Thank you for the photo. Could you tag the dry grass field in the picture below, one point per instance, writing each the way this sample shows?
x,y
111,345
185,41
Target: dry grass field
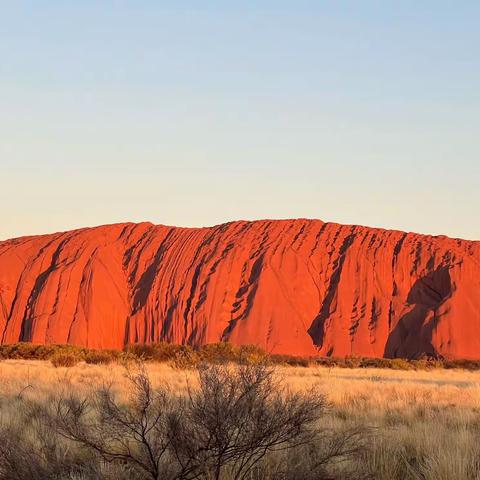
x,y
417,424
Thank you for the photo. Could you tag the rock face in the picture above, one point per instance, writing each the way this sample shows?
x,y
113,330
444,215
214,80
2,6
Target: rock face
x,y
296,286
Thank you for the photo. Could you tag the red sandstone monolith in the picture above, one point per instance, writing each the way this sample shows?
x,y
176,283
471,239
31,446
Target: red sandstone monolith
x,y
301,287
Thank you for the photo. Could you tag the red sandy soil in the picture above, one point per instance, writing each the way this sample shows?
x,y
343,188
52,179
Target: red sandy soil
x,y
301,287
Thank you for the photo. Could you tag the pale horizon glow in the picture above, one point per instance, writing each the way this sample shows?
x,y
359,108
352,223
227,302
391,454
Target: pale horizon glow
x,y
181,114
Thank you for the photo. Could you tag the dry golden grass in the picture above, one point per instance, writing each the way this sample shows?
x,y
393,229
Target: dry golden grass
x,y
425,424
368,389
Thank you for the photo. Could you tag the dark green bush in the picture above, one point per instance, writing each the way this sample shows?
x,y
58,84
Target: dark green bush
x,y
291,360
96,357
184,356
159,352
185,359
32,351
224,352
217,352
65,359
463,364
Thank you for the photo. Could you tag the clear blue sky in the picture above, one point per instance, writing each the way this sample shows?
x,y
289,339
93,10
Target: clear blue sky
x,y
196,113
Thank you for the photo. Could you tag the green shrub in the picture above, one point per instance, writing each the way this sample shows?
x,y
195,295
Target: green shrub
x,y
224,352
185,359
184,356
217,352
31,351
353,362
291,360
26,351
64,359
96,357
159,352
462,364
250,353
400,364
328,362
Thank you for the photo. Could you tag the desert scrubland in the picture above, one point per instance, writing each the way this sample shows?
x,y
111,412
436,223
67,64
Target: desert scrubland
x,y
386,424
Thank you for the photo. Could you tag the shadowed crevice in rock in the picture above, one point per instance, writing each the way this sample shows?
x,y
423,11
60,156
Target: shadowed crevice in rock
x,y
245,297
412,336
317,329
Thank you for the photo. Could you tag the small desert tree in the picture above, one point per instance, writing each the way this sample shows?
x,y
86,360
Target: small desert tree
x,y
235,417
225,428
134,434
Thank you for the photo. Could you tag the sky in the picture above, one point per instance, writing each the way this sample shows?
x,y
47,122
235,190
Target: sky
x,y
197,113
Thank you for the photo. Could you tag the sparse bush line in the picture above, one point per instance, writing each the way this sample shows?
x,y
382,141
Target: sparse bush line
x,y
183,356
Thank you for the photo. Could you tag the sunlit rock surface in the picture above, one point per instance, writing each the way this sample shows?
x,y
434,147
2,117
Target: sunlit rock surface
x,y
291,286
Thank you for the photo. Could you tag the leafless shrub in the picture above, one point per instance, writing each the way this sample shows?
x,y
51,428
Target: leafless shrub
x,y
240,422
236,417
134,435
